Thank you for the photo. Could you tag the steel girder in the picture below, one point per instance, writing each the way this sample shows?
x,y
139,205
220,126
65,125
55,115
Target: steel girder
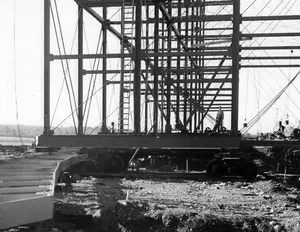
x,y
182,141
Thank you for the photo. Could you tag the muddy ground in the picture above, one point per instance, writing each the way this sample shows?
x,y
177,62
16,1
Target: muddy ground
x,y
114,204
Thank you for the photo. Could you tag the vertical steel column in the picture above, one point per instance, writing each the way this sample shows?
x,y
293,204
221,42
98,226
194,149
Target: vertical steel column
x,y
147,68
104,66
186,63
46,67
155,73
168,119
201,85
198,75
178,67
162,77
137,68
121,103
235,66
193,75
80,68
190,75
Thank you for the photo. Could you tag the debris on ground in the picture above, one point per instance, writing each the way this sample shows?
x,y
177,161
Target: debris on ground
x,y
123,205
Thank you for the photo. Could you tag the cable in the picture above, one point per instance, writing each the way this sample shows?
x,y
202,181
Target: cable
x,y
268,106
246,105
64,50
95,66
271,30
274,92
108,117
15,74
59,96
58,44
268,54
93,87
86,100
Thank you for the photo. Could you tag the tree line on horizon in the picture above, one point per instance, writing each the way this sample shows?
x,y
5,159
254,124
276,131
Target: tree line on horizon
x,y
31,131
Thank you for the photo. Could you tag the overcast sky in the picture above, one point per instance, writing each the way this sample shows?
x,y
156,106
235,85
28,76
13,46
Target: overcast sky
x,y
28,68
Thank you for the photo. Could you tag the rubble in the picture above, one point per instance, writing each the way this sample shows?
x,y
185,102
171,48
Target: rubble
x,y
119,205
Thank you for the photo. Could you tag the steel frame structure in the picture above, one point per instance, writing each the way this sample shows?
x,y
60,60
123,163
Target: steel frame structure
x,y
184,68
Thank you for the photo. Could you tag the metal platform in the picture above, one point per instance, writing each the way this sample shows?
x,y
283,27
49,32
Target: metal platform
x,y
180,141
27,186
271,143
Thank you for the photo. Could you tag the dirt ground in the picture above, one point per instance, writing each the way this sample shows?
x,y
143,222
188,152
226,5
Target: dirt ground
x,y
153,204
125,205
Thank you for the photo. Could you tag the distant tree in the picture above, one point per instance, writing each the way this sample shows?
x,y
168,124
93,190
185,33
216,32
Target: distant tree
x,y
31,131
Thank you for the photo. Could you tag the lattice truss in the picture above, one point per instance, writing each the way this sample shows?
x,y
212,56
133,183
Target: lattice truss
x,y
190,55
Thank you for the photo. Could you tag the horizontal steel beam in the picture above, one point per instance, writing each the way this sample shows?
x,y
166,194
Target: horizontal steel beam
x,y
206,95
271,143
144,55
205,104
271,58
198,81
203,101
89,56
200,89
203,18
101,3
144,141
271,48
280,34
215,108
194,18
205,72
271,17
205,48
204,37
174,70
272,66
172,54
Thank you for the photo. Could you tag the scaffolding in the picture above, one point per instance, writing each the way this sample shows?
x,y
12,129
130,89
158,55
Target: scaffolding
x,y
180,62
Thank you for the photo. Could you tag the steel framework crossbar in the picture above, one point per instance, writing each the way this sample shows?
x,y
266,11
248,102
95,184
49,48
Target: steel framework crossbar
x,y
184,66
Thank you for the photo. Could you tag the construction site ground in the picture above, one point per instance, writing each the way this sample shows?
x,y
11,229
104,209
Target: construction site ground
x,y
122,204
114,203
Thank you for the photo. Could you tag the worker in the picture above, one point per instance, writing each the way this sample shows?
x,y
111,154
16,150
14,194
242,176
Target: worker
x,y
181,127
219,121
112,127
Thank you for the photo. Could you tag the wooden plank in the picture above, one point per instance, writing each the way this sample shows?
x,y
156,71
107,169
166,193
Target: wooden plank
x,y
4,170
19,178
38,155
25,183
51,157
37,161
57,157
14,197
27,156
43,173
25,166
21,212
26,189
68,150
